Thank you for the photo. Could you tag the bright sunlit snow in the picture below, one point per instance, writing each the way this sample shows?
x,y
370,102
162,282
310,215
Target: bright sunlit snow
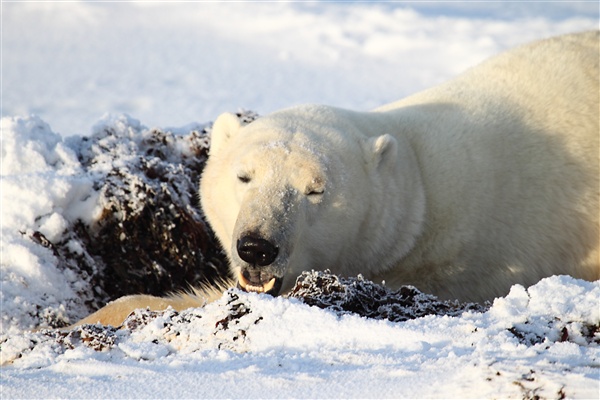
x,y
180,65
172,64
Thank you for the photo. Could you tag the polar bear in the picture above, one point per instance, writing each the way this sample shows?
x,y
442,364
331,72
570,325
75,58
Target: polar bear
x,y
462,190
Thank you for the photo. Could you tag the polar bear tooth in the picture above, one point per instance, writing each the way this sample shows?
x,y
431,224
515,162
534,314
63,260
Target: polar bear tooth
x,y
253,288
269,285
245,284
249,287
260,289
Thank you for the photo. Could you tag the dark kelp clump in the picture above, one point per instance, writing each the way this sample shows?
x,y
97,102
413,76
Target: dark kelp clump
x,y
363,297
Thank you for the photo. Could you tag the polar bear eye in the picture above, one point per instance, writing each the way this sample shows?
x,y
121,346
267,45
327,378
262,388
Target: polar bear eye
x,y
244,178
315,188
314,191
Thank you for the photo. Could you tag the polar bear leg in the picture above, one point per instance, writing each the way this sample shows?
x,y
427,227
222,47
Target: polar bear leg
x,y
115,312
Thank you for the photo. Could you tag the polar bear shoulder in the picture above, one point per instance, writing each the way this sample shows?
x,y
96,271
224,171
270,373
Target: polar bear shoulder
x,y
509,157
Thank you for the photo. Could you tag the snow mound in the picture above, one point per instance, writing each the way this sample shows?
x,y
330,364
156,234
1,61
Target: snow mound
x,y
43,191
242,322
530,339
227,323
89,219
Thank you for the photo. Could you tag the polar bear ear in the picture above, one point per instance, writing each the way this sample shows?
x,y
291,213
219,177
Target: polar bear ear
x,y
226,126
381,149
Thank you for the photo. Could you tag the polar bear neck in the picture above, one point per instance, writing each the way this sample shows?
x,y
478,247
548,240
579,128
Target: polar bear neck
x,y
396,218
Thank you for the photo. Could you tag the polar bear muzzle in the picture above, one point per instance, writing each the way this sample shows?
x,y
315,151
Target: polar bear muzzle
x,y
258,253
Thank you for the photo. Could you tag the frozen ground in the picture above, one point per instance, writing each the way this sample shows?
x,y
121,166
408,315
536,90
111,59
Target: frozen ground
x,y
180,65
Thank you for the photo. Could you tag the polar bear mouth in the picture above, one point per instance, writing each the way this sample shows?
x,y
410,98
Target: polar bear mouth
x,y
271,286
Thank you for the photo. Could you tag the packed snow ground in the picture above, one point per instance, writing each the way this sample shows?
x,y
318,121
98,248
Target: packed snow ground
x,y
181,65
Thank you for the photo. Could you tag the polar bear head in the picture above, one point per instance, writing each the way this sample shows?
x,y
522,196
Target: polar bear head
x,y
300,189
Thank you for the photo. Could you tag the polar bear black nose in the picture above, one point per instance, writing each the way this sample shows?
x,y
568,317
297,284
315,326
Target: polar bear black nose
x,y
256,251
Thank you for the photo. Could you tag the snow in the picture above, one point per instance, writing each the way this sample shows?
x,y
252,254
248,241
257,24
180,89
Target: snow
x,y
177,66
249,345
171,64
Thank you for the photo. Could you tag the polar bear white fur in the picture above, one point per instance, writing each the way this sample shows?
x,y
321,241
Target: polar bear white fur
x,y
462,190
